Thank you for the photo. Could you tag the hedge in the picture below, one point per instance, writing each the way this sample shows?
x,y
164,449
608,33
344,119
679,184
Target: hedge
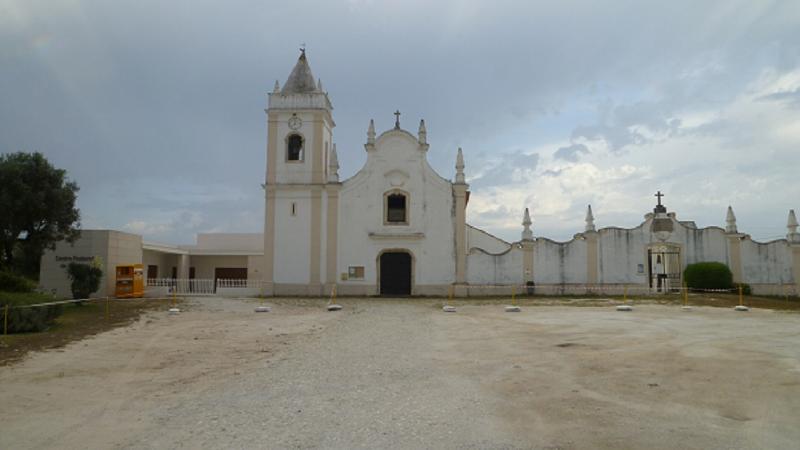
x,y
708,275
24,320
10,282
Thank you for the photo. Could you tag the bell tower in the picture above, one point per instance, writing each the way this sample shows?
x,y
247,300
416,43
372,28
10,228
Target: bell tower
x,y
299,153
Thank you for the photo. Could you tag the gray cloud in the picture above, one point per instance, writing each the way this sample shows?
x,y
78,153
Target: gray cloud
x,y
130,95
791,98
506,169
571,152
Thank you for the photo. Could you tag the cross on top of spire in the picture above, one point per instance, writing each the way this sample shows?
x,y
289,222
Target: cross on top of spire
x,y
397,120
303,48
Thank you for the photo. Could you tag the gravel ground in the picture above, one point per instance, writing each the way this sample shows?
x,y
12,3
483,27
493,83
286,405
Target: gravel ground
x,y
402,374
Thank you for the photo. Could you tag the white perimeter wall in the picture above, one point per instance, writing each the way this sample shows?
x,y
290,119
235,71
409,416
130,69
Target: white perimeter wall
x,y
766,263
486,268
559,263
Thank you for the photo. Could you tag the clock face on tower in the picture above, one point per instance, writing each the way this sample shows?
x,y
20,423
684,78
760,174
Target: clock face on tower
x,y
295,122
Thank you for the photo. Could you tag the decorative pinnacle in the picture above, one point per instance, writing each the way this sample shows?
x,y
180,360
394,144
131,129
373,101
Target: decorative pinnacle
x,y
333,166
371,132
730,219
791,224
527,234
423,133
319,84
277,87
589,219
460,167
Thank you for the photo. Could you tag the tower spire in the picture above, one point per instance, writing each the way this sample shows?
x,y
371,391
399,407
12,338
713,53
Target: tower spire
x,y
423,132
730,220
589,219
527,234
301,80
460,167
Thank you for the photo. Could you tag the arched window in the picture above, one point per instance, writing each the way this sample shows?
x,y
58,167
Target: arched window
x,y
396,209
294,148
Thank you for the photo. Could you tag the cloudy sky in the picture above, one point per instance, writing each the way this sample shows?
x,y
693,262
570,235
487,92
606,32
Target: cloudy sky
x,y
156,108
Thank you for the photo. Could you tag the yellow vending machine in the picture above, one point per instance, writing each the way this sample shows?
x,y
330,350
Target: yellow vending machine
x,y
130,281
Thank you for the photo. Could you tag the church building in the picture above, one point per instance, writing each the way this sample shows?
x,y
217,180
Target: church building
x,y
398,228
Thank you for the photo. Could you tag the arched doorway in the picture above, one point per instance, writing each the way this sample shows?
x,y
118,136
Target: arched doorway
x,y
395,270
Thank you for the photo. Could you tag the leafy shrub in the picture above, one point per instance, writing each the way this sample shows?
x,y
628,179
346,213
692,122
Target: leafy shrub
x,y
23,320
10,282
85,279
708,275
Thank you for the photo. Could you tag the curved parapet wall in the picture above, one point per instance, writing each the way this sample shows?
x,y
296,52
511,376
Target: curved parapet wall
x,y
493,269
559,262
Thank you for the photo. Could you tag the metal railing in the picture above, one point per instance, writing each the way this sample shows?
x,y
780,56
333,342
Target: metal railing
x,y
202,286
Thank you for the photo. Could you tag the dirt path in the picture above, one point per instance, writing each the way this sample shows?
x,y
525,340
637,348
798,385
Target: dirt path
x,y
384,374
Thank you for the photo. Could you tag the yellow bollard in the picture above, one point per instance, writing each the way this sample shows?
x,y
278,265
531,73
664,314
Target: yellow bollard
x,y
514,295
450,295
685,295
5,320
741,299
625,294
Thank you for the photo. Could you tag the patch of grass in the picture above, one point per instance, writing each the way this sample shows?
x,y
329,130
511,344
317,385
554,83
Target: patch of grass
x,y
76,323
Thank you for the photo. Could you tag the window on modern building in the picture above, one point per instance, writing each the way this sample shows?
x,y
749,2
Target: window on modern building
x,y
294,148
396,208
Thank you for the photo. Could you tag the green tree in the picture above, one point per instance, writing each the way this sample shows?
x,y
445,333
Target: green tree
x,y
85,279
38,209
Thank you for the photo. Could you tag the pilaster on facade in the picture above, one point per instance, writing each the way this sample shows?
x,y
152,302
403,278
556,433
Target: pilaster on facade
x,y
795,249
332,235
735,255
460,197
592,257
528,247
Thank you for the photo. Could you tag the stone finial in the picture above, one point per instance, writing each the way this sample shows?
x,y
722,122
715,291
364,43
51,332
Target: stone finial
x,y
527,234
730,220
319,84
333,166
371,133
791,225
460,167
277,87
589,219
423,133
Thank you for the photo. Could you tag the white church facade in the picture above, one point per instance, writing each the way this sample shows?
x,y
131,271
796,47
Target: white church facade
x,y
398,228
